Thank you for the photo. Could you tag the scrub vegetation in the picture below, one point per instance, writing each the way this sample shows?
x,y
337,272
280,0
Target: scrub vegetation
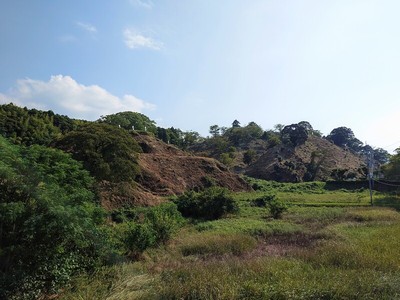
x,y
319,249
71,227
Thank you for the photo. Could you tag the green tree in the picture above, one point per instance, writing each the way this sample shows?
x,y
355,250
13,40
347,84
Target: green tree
x,y
294,135
235,124
108,152
210,204
344,137
215,130
32,126
48,221
392,169
249,156
130,120
278,128
381,156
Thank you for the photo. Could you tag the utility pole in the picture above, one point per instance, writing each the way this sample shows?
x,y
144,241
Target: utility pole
x,y
370,174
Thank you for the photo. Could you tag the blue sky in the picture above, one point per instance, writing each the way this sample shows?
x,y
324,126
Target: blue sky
x,y
191,64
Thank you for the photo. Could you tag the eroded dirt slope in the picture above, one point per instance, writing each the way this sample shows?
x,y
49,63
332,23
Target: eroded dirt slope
x,y
166,170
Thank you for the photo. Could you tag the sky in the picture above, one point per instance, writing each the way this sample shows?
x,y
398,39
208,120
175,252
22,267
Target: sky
x,y
195,63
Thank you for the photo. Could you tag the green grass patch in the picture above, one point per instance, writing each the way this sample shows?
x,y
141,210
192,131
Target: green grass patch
x,y
268,278
251,226
373,214
217,244
322,215
328,245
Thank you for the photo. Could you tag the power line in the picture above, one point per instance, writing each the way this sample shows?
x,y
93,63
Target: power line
x,y
395,143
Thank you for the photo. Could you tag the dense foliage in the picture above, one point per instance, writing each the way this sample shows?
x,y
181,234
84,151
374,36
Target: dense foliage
x,y
144,227
210,204
47,220
107,151
294,135
275,206
392,169
131,121
31,126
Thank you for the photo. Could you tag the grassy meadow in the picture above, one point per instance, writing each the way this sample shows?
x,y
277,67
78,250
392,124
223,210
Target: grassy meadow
x,y
327,245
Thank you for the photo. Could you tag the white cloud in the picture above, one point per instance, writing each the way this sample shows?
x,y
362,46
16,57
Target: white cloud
x,y
87,27
64,95
148,4
134,39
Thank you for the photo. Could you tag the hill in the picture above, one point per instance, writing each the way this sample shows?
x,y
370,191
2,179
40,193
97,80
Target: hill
x,y
316,159
294,154
165,170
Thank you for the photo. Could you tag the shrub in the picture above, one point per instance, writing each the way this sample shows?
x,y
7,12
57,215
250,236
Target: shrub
x,y
210,204
275,206
48,221
146,227
107,152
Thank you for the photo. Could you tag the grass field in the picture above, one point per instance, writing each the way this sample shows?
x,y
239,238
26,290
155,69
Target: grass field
x,y
327,245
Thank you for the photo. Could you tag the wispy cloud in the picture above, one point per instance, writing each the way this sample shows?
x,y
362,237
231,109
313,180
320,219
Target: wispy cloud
x,y
134,39
148,4
66,96
87,27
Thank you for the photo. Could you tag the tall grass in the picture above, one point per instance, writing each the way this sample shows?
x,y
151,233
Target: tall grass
x,y
267,278
329,245
207,244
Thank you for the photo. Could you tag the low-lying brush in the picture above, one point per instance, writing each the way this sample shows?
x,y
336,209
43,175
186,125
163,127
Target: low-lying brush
x,y
267,278
210,204
327,245
217,244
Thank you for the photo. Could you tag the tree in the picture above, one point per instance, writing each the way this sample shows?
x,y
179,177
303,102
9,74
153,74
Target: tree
x,y
381,156
130,120
341,136
253,131
307,126
344,138
32,126
294,135
235,124
215,130
392,169
273,138
108,152
249,156
190,138
278,128
48,221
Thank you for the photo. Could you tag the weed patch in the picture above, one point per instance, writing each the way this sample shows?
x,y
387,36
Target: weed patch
x,y
213,244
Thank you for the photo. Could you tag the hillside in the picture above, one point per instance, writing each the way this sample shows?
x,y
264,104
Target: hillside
x,y
316,159
167,170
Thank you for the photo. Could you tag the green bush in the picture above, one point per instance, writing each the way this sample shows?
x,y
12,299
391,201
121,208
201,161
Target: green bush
x,y
275,207
48,221
108,152
146,227
210,204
